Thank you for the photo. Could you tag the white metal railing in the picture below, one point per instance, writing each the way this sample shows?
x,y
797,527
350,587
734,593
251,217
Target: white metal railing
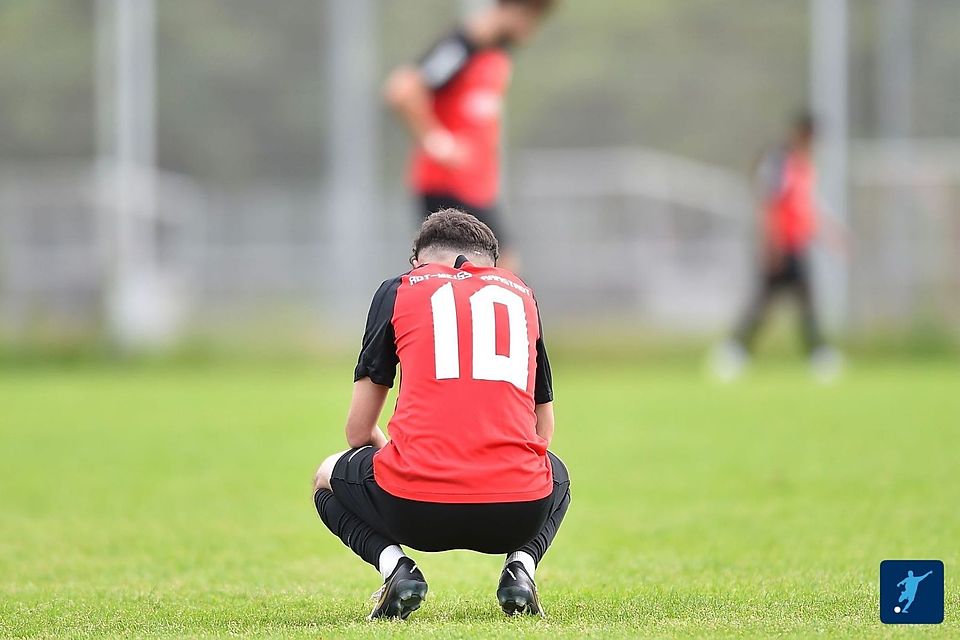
x,y
629,233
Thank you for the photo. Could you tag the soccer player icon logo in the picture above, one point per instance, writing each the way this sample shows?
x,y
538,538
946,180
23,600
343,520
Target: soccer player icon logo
x,y
909,584
903,600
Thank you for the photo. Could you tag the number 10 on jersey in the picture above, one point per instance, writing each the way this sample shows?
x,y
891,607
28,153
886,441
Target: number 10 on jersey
x,y
487,363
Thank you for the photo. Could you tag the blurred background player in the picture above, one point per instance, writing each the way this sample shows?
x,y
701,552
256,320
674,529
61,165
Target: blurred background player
x,y
451,101
790,222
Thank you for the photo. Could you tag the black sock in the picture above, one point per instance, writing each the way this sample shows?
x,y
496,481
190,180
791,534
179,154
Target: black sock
x,y
541,542
363,539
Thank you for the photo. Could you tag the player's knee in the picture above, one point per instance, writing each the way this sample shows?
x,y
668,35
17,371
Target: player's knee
x,y
321,479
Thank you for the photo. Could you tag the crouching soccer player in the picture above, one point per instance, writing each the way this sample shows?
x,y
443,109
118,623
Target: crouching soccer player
x,y
466,466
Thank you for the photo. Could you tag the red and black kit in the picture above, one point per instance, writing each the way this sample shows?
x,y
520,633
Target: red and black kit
x,y
464,468
468,85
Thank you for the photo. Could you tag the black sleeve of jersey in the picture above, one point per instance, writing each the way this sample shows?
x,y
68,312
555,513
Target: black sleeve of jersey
x,y
446,59
543,387
378,356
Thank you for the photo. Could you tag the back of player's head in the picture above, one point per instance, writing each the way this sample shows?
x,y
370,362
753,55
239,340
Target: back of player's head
x,y
519,20
805,124
454,230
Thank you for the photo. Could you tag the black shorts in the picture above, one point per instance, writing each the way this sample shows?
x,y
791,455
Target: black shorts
x,y
490,216
790,270
500,527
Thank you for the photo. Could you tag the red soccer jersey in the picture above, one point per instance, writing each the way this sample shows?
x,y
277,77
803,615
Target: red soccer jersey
x,y
473,366
791,208
468,88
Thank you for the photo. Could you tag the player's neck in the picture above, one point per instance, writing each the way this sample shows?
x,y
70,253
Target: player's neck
x,y
449,258
485,29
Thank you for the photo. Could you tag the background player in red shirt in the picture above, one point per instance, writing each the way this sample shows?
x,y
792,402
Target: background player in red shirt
x,y
451,102
790,224
467,465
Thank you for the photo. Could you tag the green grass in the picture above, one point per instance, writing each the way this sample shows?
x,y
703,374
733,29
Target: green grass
x,y
173,501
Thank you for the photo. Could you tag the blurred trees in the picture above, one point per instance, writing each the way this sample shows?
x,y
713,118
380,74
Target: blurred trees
x,y
46,79
242,92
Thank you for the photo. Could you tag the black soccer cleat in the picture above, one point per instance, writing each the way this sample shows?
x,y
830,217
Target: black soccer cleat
x,y
517,592
401,593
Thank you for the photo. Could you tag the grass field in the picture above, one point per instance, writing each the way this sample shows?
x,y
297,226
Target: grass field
x,y
173,501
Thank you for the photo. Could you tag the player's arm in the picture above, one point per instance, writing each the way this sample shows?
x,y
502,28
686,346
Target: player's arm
x,y
545,421
408,95
900,584
834,233
543,391
769,188
376,370
409,92
365,407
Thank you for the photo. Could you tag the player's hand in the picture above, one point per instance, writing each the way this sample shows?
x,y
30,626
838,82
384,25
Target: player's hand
x,y
773,258
378,439
443,147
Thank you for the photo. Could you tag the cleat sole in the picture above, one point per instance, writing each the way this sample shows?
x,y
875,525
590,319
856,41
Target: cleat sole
x,y
516,602
410,595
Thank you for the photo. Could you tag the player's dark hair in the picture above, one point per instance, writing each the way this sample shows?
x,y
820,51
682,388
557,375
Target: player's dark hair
x,y
805,123
454,230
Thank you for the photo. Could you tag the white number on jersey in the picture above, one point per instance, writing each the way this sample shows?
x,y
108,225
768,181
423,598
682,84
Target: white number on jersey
x,y
487,363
